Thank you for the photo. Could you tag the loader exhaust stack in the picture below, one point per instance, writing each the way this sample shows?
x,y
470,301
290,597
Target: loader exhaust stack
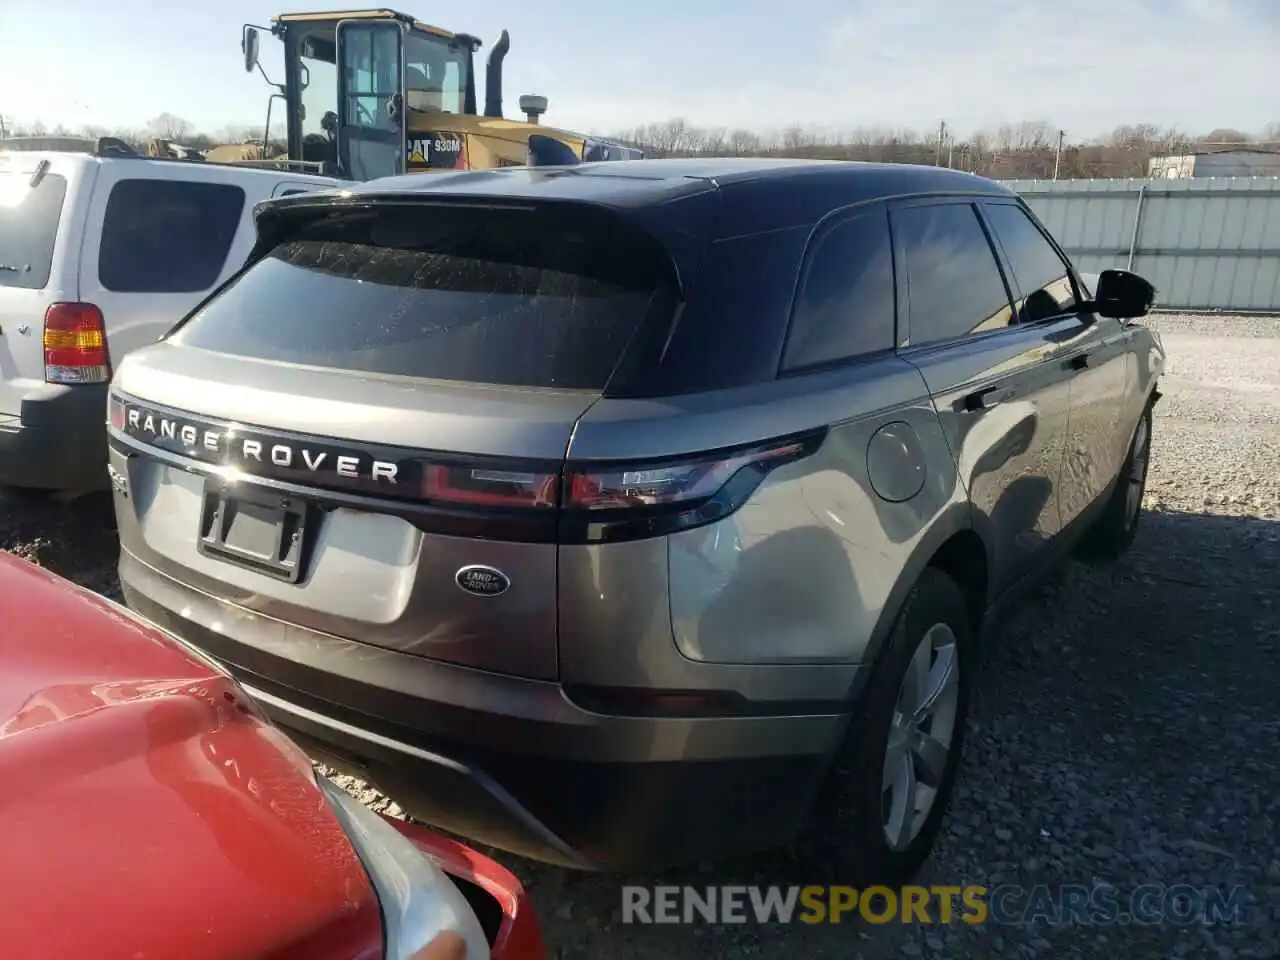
x,y
493,76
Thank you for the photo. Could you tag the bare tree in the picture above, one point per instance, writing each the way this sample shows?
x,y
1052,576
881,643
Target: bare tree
x,y
797,141
1134,135
1012,151
239,133
1226,135
170,126
744,143
1024,149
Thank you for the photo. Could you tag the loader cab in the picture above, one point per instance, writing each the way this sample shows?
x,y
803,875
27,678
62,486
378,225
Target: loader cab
x,y
356,83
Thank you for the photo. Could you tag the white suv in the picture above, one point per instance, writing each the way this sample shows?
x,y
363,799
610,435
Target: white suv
x,y
100,255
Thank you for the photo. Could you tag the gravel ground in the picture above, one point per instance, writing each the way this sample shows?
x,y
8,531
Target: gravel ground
x,y
1125,724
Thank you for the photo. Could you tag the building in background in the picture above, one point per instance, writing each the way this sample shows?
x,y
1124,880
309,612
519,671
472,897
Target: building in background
x,y
1231,162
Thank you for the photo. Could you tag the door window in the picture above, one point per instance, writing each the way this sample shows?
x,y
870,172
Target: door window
x,y
371,66
1041,275
953,278
371,140
846,303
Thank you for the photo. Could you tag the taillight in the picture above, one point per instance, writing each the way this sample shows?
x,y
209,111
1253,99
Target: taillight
x,y
75,344
596,502
625,501
469,486
604,488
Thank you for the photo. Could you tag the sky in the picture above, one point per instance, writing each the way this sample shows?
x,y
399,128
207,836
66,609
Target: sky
x,y
607,66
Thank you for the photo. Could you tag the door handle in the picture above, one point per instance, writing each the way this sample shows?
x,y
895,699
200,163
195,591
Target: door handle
x,y
1080,361
987,398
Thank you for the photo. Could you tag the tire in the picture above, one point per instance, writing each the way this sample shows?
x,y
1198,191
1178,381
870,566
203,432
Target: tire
x,y
1112,533
857,810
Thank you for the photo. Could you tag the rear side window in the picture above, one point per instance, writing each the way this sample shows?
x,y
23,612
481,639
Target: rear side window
x,y
531,298
954,284
845,307
28,227
1042,276
167,236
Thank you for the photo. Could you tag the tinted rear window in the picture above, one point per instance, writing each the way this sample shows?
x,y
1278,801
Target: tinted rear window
x,y
528,298
167,236
28,227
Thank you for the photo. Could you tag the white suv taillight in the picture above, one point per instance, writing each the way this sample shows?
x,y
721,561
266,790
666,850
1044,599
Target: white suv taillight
x,y
75,344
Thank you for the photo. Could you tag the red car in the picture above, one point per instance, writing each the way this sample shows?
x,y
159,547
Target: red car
x,y
148,810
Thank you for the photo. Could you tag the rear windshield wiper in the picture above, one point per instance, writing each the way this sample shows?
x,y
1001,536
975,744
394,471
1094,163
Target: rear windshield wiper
x,y
11,268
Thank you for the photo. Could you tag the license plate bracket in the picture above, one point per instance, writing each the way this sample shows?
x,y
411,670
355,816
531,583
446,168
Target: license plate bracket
x,y
262,531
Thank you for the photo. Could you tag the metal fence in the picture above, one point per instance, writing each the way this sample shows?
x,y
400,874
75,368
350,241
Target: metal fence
x,y
1206,244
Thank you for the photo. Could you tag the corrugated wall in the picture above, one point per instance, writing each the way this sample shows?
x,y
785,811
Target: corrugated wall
x,y
1205,244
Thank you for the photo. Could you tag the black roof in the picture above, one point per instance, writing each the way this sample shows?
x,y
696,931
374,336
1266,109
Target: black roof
x,y
755,193
677,200
629,183
738,292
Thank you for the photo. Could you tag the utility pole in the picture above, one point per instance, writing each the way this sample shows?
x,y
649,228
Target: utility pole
x,y
951,150
942,132
1057,157
4,134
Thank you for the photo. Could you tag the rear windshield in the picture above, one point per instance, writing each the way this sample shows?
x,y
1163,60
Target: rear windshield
x,y
523,297
28,226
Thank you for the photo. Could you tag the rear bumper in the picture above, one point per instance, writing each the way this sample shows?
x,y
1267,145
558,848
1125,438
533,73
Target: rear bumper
x,y
57,439
511,762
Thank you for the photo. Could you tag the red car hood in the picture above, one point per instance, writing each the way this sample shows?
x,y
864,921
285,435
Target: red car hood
x,y
147,810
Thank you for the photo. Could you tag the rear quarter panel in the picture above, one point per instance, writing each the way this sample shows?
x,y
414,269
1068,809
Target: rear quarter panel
x,y
805,574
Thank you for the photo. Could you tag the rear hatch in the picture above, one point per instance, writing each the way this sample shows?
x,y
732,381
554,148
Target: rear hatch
x,y
393,390
36,266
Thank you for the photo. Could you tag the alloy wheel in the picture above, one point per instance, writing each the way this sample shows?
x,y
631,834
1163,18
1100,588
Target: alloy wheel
x,y
920,736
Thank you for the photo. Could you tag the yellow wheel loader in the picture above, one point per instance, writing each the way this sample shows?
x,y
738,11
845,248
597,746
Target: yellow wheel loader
x,y
166,148
375,93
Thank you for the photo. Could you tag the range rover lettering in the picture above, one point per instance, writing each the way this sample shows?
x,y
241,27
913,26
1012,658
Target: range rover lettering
x,y
260,454
635,513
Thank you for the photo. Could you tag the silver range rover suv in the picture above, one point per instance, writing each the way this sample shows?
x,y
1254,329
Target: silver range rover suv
x,y
617,514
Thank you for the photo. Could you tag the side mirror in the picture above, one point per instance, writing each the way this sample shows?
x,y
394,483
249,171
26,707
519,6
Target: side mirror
x,y
249,46
1122,295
